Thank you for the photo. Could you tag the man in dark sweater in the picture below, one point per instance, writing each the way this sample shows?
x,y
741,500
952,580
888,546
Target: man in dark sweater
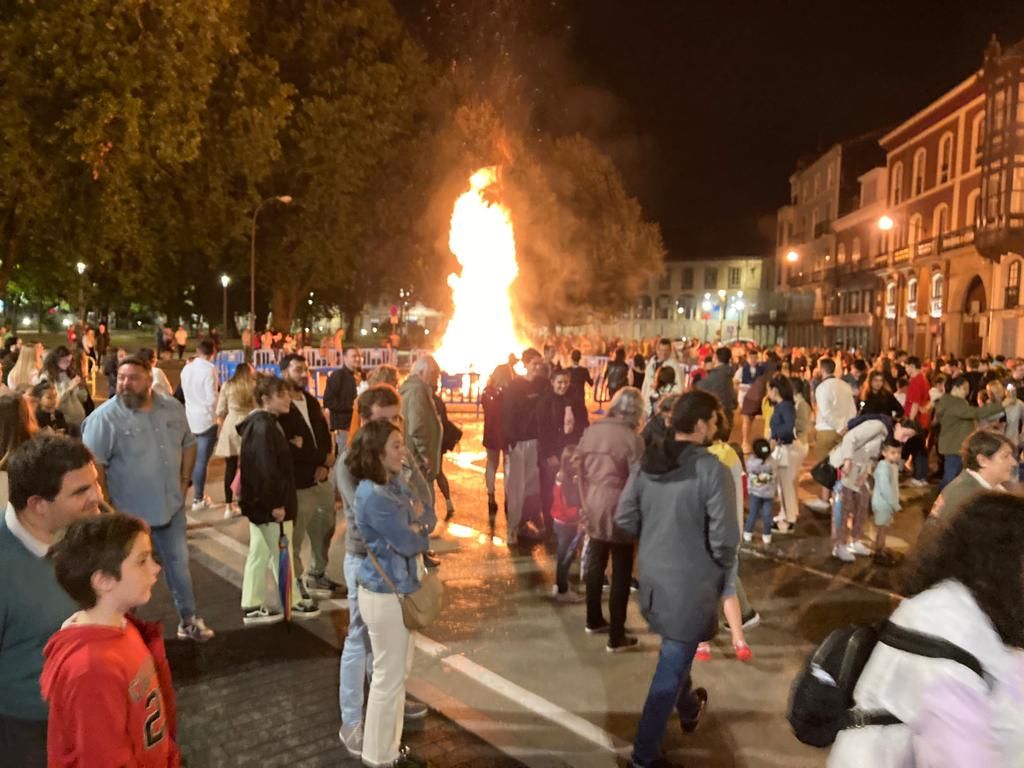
x,y
312,458
719,382
52,484
340,394
560,423
522,480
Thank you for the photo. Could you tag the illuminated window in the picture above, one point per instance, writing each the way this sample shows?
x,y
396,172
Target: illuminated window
x,y
916,229
917,177
890,300
912,297
938,283
977,139
841,254
1013,284
897,183
940,220
972,209
945,159
855,249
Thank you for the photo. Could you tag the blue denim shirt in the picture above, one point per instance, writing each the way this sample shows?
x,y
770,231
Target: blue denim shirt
x,y
140,452
383,515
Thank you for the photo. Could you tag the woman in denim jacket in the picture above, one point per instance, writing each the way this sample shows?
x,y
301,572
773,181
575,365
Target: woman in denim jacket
x,y
396,534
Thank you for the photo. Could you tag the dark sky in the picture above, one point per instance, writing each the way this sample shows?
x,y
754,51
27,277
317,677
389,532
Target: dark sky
x,y
707,106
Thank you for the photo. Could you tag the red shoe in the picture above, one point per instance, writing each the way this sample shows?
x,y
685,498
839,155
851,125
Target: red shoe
x,y
743,652
703,652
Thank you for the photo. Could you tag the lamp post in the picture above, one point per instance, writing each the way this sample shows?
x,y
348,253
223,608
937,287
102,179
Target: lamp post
x,y
706,307
721,314
80,268
286,199
225,281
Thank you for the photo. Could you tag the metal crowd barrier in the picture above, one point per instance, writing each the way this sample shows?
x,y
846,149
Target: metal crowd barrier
x,y
598,367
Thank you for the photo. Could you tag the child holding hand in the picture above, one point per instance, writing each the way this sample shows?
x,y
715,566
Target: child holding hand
x,y
885,498
565,511
762,486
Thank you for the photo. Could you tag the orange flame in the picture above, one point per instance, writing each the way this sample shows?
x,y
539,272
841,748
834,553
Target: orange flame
x,y
482,330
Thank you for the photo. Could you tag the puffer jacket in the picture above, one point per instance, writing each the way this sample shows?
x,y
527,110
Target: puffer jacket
x,y
681,502
952,717
606,453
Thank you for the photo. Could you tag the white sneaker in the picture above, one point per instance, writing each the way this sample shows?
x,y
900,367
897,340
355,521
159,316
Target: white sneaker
x,y
199,504
766,539
352,739
843,554
859,548
748,537
817,505
919,483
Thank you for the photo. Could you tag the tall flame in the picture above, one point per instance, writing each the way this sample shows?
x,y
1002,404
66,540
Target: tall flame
x,y
482,331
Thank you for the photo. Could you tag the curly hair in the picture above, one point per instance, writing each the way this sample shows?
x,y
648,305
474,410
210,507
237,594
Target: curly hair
x,y
981,546
365,456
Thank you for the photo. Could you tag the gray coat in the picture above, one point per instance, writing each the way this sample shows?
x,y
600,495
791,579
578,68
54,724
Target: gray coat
x,y
719,383
681,503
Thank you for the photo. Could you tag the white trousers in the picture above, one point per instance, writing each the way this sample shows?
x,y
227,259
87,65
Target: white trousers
x,y
789,478
392,660
522,485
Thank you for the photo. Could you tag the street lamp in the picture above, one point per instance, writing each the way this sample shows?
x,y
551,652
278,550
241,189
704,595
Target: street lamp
x,y
80,268
225,281
721,314
885,223
706,307
792,256
286,199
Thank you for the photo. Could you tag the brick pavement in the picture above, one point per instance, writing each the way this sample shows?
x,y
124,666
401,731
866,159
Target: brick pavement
x,y
268,696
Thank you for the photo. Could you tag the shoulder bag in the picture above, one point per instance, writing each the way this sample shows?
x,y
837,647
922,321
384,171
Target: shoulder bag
x,y
419,608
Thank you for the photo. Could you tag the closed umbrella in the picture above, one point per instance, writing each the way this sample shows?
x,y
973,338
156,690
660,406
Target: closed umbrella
x,y
284,574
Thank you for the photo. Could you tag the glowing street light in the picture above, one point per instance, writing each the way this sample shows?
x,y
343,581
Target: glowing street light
x,y
792,256
885,223
225,281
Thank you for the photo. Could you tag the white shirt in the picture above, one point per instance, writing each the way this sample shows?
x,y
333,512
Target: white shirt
x,y
836,405
199,383
30,542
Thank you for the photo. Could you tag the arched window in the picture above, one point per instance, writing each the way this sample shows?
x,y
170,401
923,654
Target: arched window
x,y
912,297
938,283
977,139
1013,284
917,176
841,253
945,171
897,183
940,220
916,230
644,307
686,307
972,209
890,300
663,307
855,249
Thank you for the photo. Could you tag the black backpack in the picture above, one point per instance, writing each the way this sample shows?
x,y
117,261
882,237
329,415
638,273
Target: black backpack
x,y
821,703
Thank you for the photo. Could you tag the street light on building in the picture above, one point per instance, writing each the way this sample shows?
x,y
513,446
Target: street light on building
x,y
286,199
792,256
225,281
705,306
80,268
885,223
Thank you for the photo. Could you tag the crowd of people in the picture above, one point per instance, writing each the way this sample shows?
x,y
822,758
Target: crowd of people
x,y
699,448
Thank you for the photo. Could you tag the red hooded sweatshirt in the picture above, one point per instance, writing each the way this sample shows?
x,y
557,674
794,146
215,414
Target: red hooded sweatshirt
x,y
111,697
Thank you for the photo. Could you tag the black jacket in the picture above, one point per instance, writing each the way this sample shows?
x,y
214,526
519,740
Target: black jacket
x,y
316,444
520,408
551,437
265,465
340,398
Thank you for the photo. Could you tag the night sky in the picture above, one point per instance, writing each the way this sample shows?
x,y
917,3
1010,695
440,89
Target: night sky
x,y
707,106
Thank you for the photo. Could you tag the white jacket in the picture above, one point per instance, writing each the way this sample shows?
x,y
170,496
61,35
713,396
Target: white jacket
x,y
934,731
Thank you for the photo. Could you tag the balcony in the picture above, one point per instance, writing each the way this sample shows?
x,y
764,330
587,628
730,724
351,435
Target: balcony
x,y
901,255
880,260
956,239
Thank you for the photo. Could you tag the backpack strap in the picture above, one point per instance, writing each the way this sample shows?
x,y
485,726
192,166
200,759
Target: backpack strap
x,y
929,646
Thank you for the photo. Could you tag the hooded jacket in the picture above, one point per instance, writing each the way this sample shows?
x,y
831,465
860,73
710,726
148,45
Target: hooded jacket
x,y
265,464
681,503
606,453
423,427
111,697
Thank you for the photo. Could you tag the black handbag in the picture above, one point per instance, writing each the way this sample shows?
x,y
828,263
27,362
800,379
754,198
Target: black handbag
x,y
825,474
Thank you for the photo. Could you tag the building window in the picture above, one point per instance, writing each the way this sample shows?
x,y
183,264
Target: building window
x,y
897,183
686,307
855,250
1013,284
977,139
916,229
890,301
945,159
735,277
938,282
972,209
663,307
711,277
665,280
1017,191
687,278
940,220
917,176
867,299
841,253
912,297
854,299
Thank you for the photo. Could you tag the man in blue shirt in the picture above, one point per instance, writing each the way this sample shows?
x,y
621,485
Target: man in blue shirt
x,y
146,453
52,484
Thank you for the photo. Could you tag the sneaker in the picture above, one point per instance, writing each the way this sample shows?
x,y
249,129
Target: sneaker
x,y
200,504
431,560
415,710
817,505
232,510
260,615
634,585
843,554
600,629
784,528
743,652
321,586
628,643
352,739
748,537
407,759
307,609
703,652
689,726
919,483
766,538
568,597
860,549
195,630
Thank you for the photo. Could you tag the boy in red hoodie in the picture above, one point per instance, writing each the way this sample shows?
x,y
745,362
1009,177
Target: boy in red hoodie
x,y
105,673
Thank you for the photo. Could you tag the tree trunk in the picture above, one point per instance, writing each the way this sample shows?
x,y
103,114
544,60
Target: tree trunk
x,y
283,303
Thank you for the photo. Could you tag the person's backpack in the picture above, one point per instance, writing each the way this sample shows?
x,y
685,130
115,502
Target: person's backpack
x,y
821,702
858,420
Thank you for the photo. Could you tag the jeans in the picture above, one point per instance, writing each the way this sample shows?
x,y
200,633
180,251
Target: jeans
x,y
356,655
205,442
952,465
568,542
618,599
671,688
172,549
341,440
760,508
